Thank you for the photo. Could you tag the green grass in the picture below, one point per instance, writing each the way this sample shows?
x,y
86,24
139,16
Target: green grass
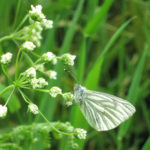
x,y
111,41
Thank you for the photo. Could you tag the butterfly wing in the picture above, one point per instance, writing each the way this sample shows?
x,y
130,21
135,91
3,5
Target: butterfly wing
x,y
104,111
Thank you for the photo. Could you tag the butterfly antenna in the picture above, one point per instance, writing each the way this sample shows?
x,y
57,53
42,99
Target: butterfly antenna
x,y
71,74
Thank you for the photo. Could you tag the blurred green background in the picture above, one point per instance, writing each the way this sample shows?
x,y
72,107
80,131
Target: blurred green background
x,y
111,39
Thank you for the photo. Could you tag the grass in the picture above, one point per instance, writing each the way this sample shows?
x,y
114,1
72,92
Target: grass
x,y
112,48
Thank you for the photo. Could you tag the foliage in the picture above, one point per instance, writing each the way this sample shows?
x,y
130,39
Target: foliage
x,y
111,42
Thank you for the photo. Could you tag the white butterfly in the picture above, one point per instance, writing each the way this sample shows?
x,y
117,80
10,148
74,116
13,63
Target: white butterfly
x,y
102,111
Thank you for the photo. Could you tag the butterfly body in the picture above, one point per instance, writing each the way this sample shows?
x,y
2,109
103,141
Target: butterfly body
x,y
102,111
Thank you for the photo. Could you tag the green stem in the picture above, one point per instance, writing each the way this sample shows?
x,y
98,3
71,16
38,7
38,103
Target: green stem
x,y
17,12
5,73
29,60
64,133
17,60
39,90
22,94
9,96
7,37
28,102
6,89
22,22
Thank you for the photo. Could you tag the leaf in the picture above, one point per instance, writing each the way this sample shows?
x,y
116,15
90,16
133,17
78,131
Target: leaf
x,y
132,94
94,73
14,104
146,144
93,25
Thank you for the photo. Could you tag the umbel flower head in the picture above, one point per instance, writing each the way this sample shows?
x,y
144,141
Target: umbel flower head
x,y
49,56
36,13
68,59
48,24
30,73
3,111
29,46
52,74
38,83
33,108
80,133
6,58
68,97
54,91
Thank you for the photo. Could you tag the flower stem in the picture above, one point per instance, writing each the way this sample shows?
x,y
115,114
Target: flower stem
x,y
5,73
28,102
64,133
17,60
22,22
7,37
6,89
9,96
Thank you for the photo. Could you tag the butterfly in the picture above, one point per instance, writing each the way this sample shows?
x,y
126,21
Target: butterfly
x,y
102,111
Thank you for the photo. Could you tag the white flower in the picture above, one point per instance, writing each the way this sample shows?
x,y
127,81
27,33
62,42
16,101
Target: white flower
x,y
40,67
28,46
3,111
48,24
38,83
54,91
54,61
68,59
30,73
80,133
49,56
68,97
33,108
42,82
34,83
36,13
6,58
52,74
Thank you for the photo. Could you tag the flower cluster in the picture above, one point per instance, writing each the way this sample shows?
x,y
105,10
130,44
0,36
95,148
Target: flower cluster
x,y
33,108
49,57
54,91
36,13
68,97
30,73
6,58
3,111
38,83
68,59
80,133
29,46
29,79
52,74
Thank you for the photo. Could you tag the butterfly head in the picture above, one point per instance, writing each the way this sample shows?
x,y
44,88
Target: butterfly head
x,y
79,93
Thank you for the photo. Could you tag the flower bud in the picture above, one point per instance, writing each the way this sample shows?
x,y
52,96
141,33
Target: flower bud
x,y
54,91
52,74
68,97
29,46
30,73
33,108
6,58
36,13
49,56
80,133
3,111
48,24
68,59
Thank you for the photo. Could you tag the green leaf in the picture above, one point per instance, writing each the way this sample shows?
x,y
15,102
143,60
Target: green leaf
x,y
146,144
14,104
93,25
95,71
132,95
